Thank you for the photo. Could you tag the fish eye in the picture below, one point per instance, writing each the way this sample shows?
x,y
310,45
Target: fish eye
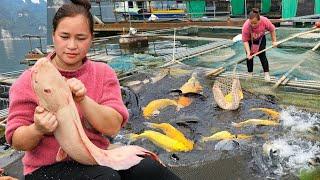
x,y
48,91
174,157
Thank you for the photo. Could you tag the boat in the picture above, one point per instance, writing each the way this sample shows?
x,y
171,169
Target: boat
x,y
168,13
132,40
139,10
34,53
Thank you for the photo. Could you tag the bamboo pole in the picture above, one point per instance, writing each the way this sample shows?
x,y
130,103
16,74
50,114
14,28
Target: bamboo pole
x,y
3,122
270,47
191,56
293,68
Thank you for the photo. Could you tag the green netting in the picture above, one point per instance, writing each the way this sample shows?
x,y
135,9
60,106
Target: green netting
x,y
265,6
317,7
237,7
196,8
289,8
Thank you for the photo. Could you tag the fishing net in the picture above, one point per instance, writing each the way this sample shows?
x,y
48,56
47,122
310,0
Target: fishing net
x,y
227,92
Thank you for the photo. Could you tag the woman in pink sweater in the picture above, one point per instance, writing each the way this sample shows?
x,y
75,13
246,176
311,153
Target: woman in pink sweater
x,y
254,39
96,91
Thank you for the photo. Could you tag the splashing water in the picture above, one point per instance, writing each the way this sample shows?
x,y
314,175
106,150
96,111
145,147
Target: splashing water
x,y
291,152
298,121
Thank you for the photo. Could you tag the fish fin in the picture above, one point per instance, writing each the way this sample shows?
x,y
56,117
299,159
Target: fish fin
x,y
255,109
156,112
145,81
192,94
61,155
235,124
236,142
179,106
203,139
176,91
148,124
261,125
132,137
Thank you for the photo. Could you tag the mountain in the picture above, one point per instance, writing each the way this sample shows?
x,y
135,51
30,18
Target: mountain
x,y
24,17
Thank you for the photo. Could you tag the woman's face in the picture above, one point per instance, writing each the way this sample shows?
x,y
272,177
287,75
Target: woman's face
x,y
254,22
72,40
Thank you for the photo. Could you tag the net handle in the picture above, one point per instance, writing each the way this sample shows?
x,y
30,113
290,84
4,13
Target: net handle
x,y
234,72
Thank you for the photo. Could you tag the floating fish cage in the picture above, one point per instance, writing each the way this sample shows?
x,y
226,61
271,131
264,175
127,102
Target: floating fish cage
x,y
212,47
167,63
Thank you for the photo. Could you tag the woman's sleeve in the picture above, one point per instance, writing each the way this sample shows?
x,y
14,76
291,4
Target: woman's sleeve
x,y
22,104
111,95
269,26
245,32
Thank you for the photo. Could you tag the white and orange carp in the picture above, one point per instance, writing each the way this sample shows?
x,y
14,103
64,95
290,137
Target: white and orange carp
x,y
55,96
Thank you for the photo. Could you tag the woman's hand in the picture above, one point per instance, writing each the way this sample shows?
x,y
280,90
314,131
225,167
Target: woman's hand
x,y
77,88
45,122
249,56
274,43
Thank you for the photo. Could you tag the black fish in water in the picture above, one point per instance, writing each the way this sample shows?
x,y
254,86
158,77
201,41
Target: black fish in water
x,y
227,145
186,123
178,92
131,101
259,163
314,161
189,124
315,128
194,95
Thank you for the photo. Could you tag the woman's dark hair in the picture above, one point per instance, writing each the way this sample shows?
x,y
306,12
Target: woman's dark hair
x,y
77,7
254,14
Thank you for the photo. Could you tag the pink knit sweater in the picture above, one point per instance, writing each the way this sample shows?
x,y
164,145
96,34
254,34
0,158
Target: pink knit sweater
x,y
102,86
257,32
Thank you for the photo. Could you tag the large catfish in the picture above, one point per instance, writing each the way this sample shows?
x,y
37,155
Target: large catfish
x,y
54,95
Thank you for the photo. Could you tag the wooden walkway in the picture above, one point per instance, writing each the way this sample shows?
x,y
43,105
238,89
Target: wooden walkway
x,y
305,19
192,52
3,115
147,26
192,38
9,77
303,84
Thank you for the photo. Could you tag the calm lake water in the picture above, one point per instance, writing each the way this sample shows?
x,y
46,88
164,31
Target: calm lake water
x,y
12,53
